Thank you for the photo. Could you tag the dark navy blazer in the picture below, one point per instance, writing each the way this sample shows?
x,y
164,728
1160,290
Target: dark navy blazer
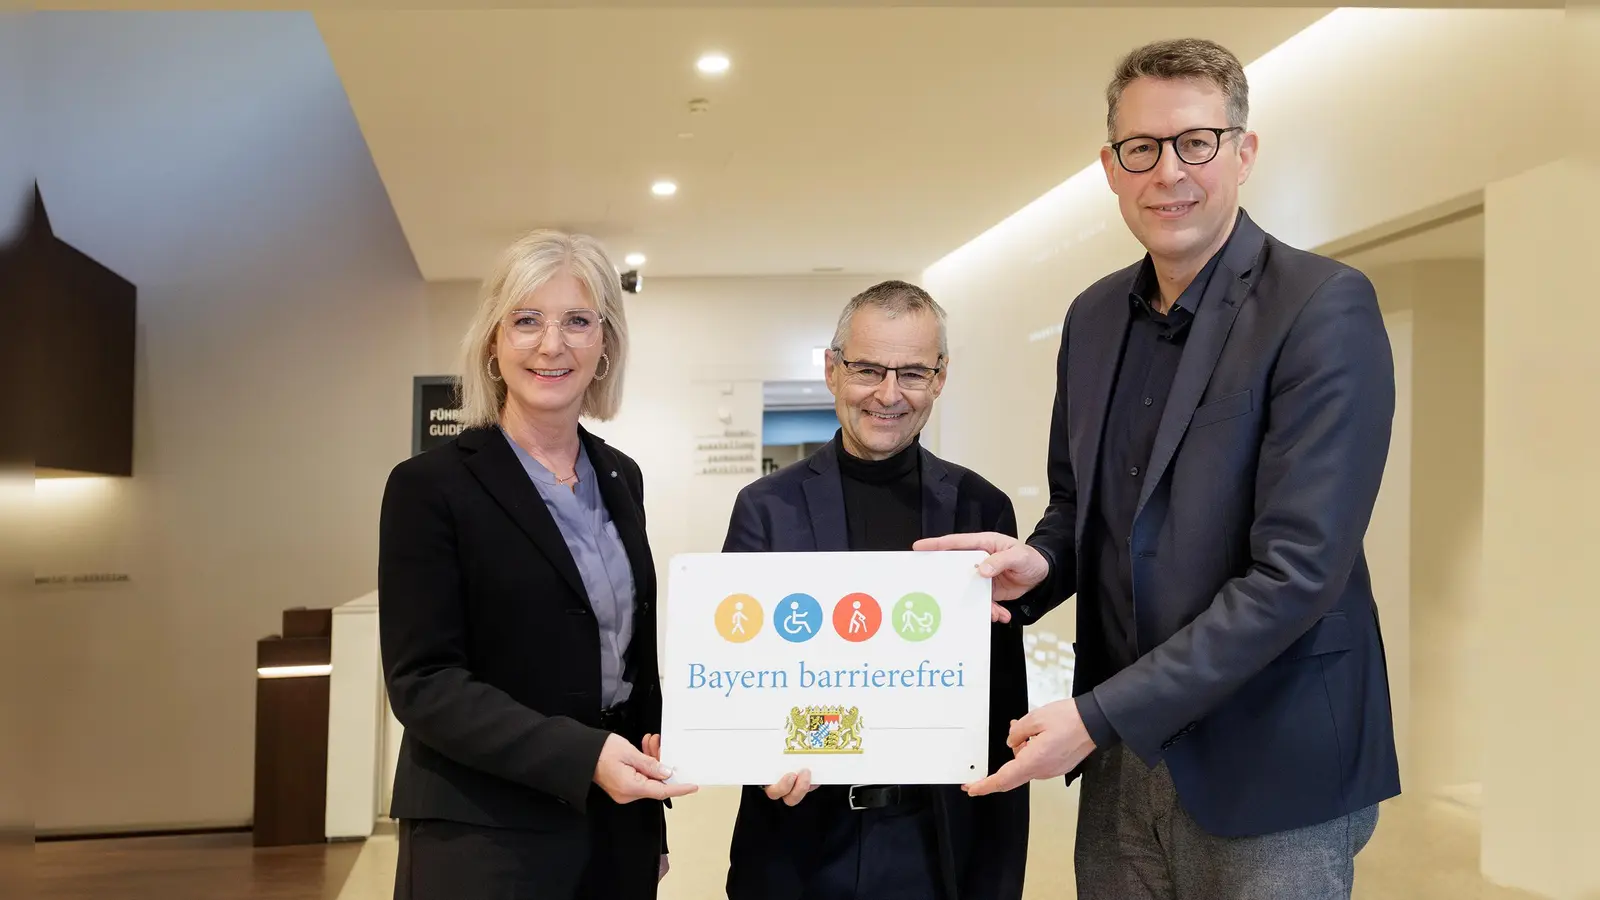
x,y
800,508
1261,679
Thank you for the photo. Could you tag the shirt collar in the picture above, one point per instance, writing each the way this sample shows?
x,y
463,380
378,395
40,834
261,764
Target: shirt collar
x,y
1145,289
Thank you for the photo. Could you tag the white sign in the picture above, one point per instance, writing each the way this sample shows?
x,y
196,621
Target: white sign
x,y
866,668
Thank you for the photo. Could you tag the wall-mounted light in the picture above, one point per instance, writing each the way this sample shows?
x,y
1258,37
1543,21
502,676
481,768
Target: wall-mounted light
x,y
294,671
664,188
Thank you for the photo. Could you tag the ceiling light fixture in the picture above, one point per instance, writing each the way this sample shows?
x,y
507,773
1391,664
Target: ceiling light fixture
x,y
634,259
712,64
663,189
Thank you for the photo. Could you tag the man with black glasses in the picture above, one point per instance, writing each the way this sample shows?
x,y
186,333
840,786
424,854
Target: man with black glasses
x,y
874,487
1222,420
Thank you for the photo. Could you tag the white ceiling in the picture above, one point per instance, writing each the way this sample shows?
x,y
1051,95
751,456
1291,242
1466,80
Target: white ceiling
x,y
1457,240
796,394
867,140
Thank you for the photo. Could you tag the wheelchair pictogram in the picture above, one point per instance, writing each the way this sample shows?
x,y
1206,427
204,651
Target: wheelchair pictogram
x,y
798,618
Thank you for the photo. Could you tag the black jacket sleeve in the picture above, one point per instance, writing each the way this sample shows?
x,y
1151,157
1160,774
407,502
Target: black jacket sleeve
x,y
1056,534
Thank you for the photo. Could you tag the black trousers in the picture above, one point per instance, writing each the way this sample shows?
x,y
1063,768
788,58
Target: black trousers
x,y
824,850
877,855
616,857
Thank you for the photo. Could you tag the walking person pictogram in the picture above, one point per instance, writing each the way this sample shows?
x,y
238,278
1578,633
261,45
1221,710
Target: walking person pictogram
x,y
738,618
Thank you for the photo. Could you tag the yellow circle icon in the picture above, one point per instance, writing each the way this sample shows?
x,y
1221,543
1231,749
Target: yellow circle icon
x,y
738,618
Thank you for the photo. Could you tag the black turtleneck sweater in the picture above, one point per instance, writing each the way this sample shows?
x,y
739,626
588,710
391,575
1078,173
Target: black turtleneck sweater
x,y
883,499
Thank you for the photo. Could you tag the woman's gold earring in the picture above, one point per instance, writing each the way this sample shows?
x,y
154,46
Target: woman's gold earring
x,y
601,376
490,367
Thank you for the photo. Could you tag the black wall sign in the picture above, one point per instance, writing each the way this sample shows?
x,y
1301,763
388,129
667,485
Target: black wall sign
x,y
435,415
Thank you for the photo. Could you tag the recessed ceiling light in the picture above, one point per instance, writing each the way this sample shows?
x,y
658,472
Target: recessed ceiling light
x,y
634,259
712,64
663,189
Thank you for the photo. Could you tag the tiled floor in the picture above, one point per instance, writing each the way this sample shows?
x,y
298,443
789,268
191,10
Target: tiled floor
x,y
1422,851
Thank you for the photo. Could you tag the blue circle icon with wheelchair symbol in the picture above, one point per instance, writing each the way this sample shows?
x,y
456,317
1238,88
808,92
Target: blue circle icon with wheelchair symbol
x,y
798,618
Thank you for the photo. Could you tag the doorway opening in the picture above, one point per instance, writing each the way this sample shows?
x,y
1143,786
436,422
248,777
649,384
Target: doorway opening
x,y
797,419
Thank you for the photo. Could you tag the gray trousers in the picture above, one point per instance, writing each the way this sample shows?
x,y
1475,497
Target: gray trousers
x,y
1135,842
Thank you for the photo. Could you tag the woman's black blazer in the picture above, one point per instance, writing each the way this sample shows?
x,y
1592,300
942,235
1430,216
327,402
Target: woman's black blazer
x,y
491,652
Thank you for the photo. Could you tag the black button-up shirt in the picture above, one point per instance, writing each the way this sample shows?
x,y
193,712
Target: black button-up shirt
x,y
1151,349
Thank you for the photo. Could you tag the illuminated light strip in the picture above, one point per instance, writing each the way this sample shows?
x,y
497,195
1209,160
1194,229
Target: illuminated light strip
x,y
294,671
1087,187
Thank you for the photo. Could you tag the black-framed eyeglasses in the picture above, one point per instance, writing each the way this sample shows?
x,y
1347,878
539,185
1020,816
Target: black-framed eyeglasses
x,y
870,374
1197,146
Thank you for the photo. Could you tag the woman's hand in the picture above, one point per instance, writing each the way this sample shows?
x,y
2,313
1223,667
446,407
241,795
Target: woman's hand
x,y
627,774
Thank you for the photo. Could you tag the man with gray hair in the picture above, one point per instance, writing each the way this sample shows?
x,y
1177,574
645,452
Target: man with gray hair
x,y
874,487
1222,419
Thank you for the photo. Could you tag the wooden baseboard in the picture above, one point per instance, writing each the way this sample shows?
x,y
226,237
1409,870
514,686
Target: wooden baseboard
x,y
53,837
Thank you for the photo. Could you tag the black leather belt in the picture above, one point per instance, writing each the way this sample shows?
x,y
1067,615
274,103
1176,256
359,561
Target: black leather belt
x,y
884,796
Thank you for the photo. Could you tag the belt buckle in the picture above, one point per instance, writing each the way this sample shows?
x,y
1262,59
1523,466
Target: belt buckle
x,y
852,798
890,795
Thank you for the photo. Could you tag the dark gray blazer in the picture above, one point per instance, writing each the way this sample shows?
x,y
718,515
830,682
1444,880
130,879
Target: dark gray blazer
x,y
1262,678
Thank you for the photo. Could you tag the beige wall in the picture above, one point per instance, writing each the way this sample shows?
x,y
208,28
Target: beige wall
x,y
1444,300
280,322
1540,715
1447,528
1008,289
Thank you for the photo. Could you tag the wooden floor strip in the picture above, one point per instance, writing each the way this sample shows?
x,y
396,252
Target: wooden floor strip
x,y
190,867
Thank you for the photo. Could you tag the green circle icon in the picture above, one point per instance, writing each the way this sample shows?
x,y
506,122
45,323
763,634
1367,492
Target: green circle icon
x,y
916,617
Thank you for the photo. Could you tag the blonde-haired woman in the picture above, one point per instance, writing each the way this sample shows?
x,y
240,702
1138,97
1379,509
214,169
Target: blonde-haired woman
x,y
517,597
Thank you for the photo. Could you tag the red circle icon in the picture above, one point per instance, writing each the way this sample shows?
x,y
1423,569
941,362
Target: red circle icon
x,y
857,617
